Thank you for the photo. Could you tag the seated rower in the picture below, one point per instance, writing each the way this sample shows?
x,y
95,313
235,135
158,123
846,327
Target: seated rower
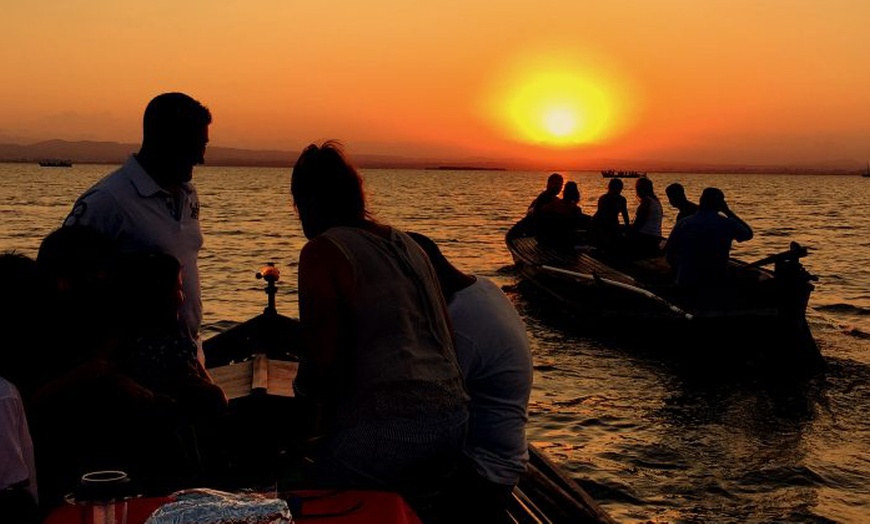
x,y
677,199
645,232
605,230
550,194
699,246
561,223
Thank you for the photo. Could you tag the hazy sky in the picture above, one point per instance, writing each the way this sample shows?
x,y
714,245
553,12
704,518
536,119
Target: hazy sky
x,y
723,81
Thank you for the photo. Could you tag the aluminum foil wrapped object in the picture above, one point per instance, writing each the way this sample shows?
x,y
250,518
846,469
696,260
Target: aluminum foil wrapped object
x,y
208,506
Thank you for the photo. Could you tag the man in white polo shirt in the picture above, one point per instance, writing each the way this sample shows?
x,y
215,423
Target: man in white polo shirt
x,y
150,204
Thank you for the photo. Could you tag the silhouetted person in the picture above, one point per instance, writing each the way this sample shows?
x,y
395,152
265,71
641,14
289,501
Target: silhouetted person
x,y
677,199
646,228
77,269
493,351
87,413
699,246
561,223
571,193
571,199
378,354
18,479
548,195
150,203
605,229
156,353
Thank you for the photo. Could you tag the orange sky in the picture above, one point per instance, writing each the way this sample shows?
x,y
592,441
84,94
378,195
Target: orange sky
x,y
553,82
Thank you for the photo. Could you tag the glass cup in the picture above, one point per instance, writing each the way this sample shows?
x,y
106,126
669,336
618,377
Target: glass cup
x,y
102,497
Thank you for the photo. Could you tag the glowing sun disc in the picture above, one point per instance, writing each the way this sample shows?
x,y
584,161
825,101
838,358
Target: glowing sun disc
x,y
560,122
553,100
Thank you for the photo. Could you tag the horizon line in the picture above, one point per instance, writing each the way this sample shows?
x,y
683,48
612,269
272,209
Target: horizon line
x,y
230,156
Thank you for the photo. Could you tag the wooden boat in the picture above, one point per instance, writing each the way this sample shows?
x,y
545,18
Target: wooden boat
x,y
758,324
610,173
56,163
545,494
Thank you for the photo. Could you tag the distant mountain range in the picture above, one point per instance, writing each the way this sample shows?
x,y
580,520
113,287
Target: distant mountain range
x,y
92,152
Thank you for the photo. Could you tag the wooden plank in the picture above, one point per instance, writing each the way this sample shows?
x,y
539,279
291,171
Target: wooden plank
x,y
260,378
281,375
260,374
234,379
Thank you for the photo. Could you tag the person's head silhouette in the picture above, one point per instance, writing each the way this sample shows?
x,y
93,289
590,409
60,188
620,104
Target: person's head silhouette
x,y
571,193
327,190
676,194
174,137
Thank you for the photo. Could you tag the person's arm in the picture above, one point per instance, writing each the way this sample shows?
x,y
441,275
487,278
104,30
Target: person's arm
x,y
102,375
624,211
742,232
531,210
325,281
641,214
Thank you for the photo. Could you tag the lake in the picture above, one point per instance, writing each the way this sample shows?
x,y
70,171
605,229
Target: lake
x,y
647,441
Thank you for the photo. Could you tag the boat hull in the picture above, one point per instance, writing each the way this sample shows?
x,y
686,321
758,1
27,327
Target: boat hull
x,y
758,322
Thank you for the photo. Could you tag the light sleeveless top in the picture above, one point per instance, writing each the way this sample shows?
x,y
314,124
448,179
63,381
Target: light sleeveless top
x,y
653,224
404,363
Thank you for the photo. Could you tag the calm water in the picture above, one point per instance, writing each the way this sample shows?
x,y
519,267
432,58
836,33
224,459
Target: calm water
x,y
650,443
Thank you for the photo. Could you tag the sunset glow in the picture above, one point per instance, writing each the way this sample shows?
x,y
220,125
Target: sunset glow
x,y
559,97
678,81
560,109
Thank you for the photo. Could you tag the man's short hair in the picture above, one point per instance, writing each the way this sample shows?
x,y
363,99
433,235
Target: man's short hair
x,y
170,116
555,177
711,198
675,189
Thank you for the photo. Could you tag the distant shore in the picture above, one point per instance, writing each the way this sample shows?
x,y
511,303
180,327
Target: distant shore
x,y
466,168
592,171
114,153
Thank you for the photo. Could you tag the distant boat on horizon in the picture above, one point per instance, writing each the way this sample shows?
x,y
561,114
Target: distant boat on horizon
x,y
610,173
55,163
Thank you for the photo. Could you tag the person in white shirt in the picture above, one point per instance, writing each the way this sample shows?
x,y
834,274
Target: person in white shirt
x,y
17,469
18,489
492,348
150,204
646,228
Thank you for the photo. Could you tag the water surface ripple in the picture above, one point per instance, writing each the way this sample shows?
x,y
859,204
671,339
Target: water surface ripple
x,y
648,441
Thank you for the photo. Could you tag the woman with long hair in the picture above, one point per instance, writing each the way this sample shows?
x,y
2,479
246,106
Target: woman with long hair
x,y
378,357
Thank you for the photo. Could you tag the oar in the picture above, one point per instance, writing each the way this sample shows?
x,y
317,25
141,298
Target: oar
x,y
795,250
622,285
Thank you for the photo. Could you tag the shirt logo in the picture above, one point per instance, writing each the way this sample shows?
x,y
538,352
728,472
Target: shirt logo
x,y
77,212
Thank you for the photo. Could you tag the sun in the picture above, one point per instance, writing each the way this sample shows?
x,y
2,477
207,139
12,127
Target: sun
x,y
559,108
558,102
560,121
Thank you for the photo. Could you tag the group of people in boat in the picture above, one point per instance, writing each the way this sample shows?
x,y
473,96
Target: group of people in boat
x,y
697,248
417,374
